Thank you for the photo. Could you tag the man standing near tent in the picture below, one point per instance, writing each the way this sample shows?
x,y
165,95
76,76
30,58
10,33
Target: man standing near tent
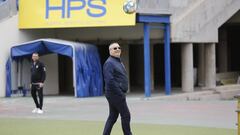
x,y
38,76
116,85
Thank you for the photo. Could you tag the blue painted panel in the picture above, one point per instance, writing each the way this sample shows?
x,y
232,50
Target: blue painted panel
x,y
147,78
167,59
153,19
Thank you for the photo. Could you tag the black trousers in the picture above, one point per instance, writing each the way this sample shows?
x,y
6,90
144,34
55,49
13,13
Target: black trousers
x,y
117,107
37,94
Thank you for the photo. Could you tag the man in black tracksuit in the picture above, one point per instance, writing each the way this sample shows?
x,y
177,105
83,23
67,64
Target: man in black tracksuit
x,y
38,76
116,85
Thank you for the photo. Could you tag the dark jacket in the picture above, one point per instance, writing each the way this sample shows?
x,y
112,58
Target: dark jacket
x,y
115,77
38,72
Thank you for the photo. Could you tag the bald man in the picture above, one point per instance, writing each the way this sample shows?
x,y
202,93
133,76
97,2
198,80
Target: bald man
x,y
116,85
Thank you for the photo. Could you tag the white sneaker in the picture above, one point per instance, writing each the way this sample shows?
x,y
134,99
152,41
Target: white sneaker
x,y
39,111
35,110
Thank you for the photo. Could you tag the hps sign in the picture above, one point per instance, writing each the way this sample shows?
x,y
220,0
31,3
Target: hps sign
x,y
67,7
72,13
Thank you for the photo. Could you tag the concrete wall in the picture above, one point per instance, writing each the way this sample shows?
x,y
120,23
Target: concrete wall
x,y
153,6
26,73
193,20
21,74
106,33
199,20
13,77
8,8
51,84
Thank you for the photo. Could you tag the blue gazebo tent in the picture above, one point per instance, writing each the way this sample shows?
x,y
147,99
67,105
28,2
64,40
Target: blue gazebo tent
x,y
87,72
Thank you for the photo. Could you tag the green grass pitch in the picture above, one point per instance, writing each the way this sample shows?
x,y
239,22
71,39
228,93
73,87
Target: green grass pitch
x,y
16,126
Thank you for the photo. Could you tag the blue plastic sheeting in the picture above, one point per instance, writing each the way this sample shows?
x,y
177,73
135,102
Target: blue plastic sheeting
x,y
42,47
86,62
8,78
88,69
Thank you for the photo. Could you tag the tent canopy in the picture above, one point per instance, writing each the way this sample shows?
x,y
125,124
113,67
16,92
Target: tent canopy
x,y
86,63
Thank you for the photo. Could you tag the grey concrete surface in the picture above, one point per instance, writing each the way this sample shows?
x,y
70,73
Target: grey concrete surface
x,y
206,113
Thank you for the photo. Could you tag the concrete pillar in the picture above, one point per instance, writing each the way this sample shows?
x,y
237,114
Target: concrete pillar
x,y
19,71
222,53
125,59
12,6
152,66
201,65
187,67
210,66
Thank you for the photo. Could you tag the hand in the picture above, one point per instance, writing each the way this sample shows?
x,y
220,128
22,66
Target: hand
x,y
41,85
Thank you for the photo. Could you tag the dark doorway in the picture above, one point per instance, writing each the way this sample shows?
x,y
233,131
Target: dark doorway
x,y
158,52
103,52
136,64
159,69
233,47
65,66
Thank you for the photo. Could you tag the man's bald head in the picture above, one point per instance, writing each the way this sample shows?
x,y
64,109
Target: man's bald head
x,y
115,49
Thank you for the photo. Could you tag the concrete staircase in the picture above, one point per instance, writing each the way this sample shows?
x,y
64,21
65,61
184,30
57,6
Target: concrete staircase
x,y
226,92
199,20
